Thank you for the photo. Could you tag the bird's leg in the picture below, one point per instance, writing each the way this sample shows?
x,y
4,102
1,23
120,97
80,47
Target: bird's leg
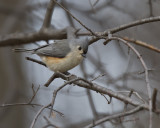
x,y
67,75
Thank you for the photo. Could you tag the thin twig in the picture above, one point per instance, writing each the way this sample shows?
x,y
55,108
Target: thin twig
x,y
75,18
34,94
109,101
154,96
28,104
136,94
33,89
20,104
143,44
150,8
146,75
124,26
130,94
94,4
104,119
101,75
89,95
132,24
36,61
37,115
49,123
70,19
56,91
48,15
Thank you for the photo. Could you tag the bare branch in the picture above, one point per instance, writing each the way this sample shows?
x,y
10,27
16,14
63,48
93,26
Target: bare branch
x,y
34,94
54,76
102,90
101,75
143,44
146,74
94,4
100,121
62,86
48,15
130,94
150,8
124,26
31,37
36,61
132,24
108,101
49,123
37,115
154,96
20,104
75,18
136,94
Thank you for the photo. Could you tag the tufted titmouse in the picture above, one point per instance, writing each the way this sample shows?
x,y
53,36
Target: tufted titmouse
x,y
62,55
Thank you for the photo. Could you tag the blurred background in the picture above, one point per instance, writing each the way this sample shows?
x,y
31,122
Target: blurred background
x,y
120,66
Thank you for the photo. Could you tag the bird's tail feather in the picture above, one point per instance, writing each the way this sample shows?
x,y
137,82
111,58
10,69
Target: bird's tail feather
x,y
23,50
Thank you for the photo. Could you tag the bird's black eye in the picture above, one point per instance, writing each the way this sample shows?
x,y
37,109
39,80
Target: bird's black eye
x,y
79,48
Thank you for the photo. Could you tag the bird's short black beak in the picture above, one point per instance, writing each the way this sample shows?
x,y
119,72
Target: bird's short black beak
x,y
84,55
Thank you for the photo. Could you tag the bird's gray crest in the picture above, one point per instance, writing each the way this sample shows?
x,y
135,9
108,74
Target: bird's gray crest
x,y
81,42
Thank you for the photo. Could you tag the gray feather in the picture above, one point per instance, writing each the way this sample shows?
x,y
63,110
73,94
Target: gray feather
x,y
23,50
58,49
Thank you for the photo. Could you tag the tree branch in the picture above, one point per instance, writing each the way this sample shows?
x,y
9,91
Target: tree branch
x,y
123,114
146,74
143,44
48,15
125,26
75,18
154,97
102,90
131,24
36,61
37,115
25,38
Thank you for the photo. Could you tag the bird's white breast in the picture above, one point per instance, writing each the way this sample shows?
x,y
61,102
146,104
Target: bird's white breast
x,y
63,64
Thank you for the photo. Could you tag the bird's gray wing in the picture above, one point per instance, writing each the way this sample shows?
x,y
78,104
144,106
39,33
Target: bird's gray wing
x,y
58,49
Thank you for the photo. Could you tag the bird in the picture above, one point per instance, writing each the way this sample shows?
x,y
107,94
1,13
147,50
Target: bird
x,y
62,55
